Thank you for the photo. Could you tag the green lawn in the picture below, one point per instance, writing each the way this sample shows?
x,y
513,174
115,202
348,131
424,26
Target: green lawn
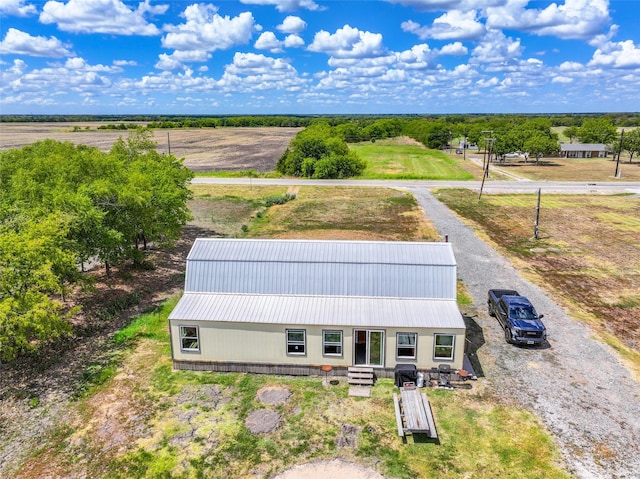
x,y
390,159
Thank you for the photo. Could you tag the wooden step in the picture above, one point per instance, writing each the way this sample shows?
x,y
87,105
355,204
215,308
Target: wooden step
x,y
362,376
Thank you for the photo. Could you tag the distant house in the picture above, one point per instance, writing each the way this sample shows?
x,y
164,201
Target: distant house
x,y
292,306
583,150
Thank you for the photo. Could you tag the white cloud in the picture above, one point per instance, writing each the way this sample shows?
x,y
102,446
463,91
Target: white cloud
x,y
455,48
268,41
167,62
442,5
286,5
293,41
561,79
17,8
101,16
575,19
617,54
251,72
292,24
204,29
418,57
496,47
493,81
17,42
452,25
348,42
125,63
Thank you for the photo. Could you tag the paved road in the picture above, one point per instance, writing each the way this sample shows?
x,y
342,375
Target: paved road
x,y
522,186
577,386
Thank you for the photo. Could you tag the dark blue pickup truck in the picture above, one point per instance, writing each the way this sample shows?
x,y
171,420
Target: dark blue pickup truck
x,y
517,316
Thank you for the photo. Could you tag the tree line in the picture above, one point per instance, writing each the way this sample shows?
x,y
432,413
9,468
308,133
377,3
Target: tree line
x,y
62,206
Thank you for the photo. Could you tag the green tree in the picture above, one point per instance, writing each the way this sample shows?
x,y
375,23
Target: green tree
x,y
571,132
631,143
597,130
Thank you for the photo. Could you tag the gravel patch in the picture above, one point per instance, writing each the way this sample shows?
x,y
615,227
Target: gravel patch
x,y
576,385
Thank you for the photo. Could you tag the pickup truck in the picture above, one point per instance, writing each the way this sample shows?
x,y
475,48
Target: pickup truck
x,y
517,316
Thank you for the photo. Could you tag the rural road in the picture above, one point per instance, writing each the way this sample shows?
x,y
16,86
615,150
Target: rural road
x,y
522,186
577,386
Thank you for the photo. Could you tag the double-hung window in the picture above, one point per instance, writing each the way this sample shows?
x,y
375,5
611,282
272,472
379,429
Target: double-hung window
x,y
296,342
189,338
443,346
331,342
406,345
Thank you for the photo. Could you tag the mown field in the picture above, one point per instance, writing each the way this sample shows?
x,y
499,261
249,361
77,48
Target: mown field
x,y
133,416
403,158
588,254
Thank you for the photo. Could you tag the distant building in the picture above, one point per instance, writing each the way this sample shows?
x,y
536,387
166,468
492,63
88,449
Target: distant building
x,y
292,306
583,150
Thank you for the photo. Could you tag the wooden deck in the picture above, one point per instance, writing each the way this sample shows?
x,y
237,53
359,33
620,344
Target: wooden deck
x,y
413,413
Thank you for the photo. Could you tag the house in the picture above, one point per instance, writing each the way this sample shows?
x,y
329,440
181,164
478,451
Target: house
x,y
583,150
292,306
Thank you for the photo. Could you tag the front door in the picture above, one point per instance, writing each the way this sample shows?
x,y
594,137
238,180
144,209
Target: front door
x,y
369,347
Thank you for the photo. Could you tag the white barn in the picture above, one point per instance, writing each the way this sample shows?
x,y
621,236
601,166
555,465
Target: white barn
x,y
293,306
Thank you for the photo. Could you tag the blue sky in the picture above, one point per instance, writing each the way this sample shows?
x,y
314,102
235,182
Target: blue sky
x,y
319,57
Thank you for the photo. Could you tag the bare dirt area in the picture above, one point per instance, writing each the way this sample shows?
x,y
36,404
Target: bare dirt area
x,y
203,149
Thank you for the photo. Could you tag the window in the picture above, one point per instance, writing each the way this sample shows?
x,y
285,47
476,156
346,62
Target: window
x,y
443,347
406,345
296,341
331,343
189,339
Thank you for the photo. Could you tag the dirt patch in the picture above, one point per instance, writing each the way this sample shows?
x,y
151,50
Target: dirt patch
x,y
329,470
273,395
262,421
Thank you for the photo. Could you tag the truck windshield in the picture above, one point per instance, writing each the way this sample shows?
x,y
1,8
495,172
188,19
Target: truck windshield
x,y
523,312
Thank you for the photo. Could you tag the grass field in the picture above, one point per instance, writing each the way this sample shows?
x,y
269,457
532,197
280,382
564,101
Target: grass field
x,y
137,418
402,158
588,254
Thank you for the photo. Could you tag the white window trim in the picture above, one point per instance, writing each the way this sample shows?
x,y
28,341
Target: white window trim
x,y
435,345
182,337
415,346
325,343
303,342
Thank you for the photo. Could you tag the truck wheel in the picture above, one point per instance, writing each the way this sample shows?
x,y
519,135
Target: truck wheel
x,y
507,336
492,313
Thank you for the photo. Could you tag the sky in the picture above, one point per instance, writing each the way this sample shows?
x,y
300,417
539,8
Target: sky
x,y
265,57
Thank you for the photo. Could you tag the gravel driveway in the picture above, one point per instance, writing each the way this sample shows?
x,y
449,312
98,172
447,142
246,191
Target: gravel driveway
x,y
583,394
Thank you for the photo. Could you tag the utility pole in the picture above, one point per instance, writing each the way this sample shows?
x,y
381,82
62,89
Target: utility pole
x,y
169,143
617,174
536,231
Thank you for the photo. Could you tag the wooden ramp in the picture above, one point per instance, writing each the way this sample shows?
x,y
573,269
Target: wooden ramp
x,y
413,413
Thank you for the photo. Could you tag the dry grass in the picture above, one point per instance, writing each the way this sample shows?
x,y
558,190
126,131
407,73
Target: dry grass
x,y
588,170
588,254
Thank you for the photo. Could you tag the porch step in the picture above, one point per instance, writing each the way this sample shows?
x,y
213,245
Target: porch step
x,y
360,376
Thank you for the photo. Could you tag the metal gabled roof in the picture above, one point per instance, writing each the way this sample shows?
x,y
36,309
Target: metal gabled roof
x,y
332,311
309,267
319,251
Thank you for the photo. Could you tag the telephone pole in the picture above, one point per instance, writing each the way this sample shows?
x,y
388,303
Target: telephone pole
x,y
617,174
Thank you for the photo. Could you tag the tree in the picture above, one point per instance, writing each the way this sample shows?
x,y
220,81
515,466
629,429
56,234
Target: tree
x,y
597,130
571,132
319,152
61,205
631,143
